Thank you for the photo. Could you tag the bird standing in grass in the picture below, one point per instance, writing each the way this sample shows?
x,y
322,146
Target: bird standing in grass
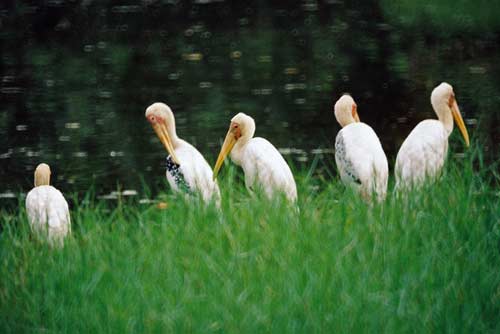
x,y
360,159
187,170
263,165
423,152
47,209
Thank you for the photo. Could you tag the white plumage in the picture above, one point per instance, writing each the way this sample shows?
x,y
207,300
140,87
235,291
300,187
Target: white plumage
x,y
263,165
423,153
360,159
47,209
187,171
196,171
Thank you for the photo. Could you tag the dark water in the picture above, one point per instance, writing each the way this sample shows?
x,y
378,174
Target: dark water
x,y
76,77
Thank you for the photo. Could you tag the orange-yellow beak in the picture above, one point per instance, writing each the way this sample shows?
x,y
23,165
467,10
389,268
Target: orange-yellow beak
x,y
162,133
227,146
460,122
355,113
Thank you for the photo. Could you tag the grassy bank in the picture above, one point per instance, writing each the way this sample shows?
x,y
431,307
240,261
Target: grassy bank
x,y
426,263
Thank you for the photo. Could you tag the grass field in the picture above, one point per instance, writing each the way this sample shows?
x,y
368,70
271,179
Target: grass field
x,y
429,262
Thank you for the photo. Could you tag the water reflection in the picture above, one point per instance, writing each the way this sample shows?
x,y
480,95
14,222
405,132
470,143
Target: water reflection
x,y
114,195
77,77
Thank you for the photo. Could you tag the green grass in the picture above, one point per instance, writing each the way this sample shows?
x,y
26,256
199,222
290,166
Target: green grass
x,y
429,262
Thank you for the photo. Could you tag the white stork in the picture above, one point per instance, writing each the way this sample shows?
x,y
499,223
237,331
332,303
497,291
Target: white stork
x,y
47,209
187,170
360,159
423,153
263,165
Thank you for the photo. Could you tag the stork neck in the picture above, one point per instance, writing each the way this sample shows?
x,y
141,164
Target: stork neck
x,y
347,122
247,134
445,117
238,149
345,119
42,179
173,134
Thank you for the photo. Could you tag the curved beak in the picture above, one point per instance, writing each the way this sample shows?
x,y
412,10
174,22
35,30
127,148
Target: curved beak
x,y
460,122
227,146
162,133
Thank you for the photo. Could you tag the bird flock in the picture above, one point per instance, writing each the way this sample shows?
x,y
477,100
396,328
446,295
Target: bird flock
x,y
360,159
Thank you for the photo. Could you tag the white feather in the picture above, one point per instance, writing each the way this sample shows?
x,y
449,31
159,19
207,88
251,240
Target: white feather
x,y
361,161
197,173
264,167
422,154
48,213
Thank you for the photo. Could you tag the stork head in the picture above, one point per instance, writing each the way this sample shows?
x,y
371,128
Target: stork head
x,y
241,129
346,110
444,103
162,120
42,175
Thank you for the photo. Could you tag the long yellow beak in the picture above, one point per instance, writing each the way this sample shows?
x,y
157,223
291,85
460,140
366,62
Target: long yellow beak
x,y
162,133
460,122
227,146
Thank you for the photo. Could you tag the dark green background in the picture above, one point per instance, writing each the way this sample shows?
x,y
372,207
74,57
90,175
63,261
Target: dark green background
x,y
76,77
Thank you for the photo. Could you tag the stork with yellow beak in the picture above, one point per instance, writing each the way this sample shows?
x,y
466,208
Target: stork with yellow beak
x,y
187,170
263,165
423,153
47,209
360,159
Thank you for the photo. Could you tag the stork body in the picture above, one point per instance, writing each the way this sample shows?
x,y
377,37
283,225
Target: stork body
x,y
359,156
193,174
187,171
263,165
423,153
47,210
